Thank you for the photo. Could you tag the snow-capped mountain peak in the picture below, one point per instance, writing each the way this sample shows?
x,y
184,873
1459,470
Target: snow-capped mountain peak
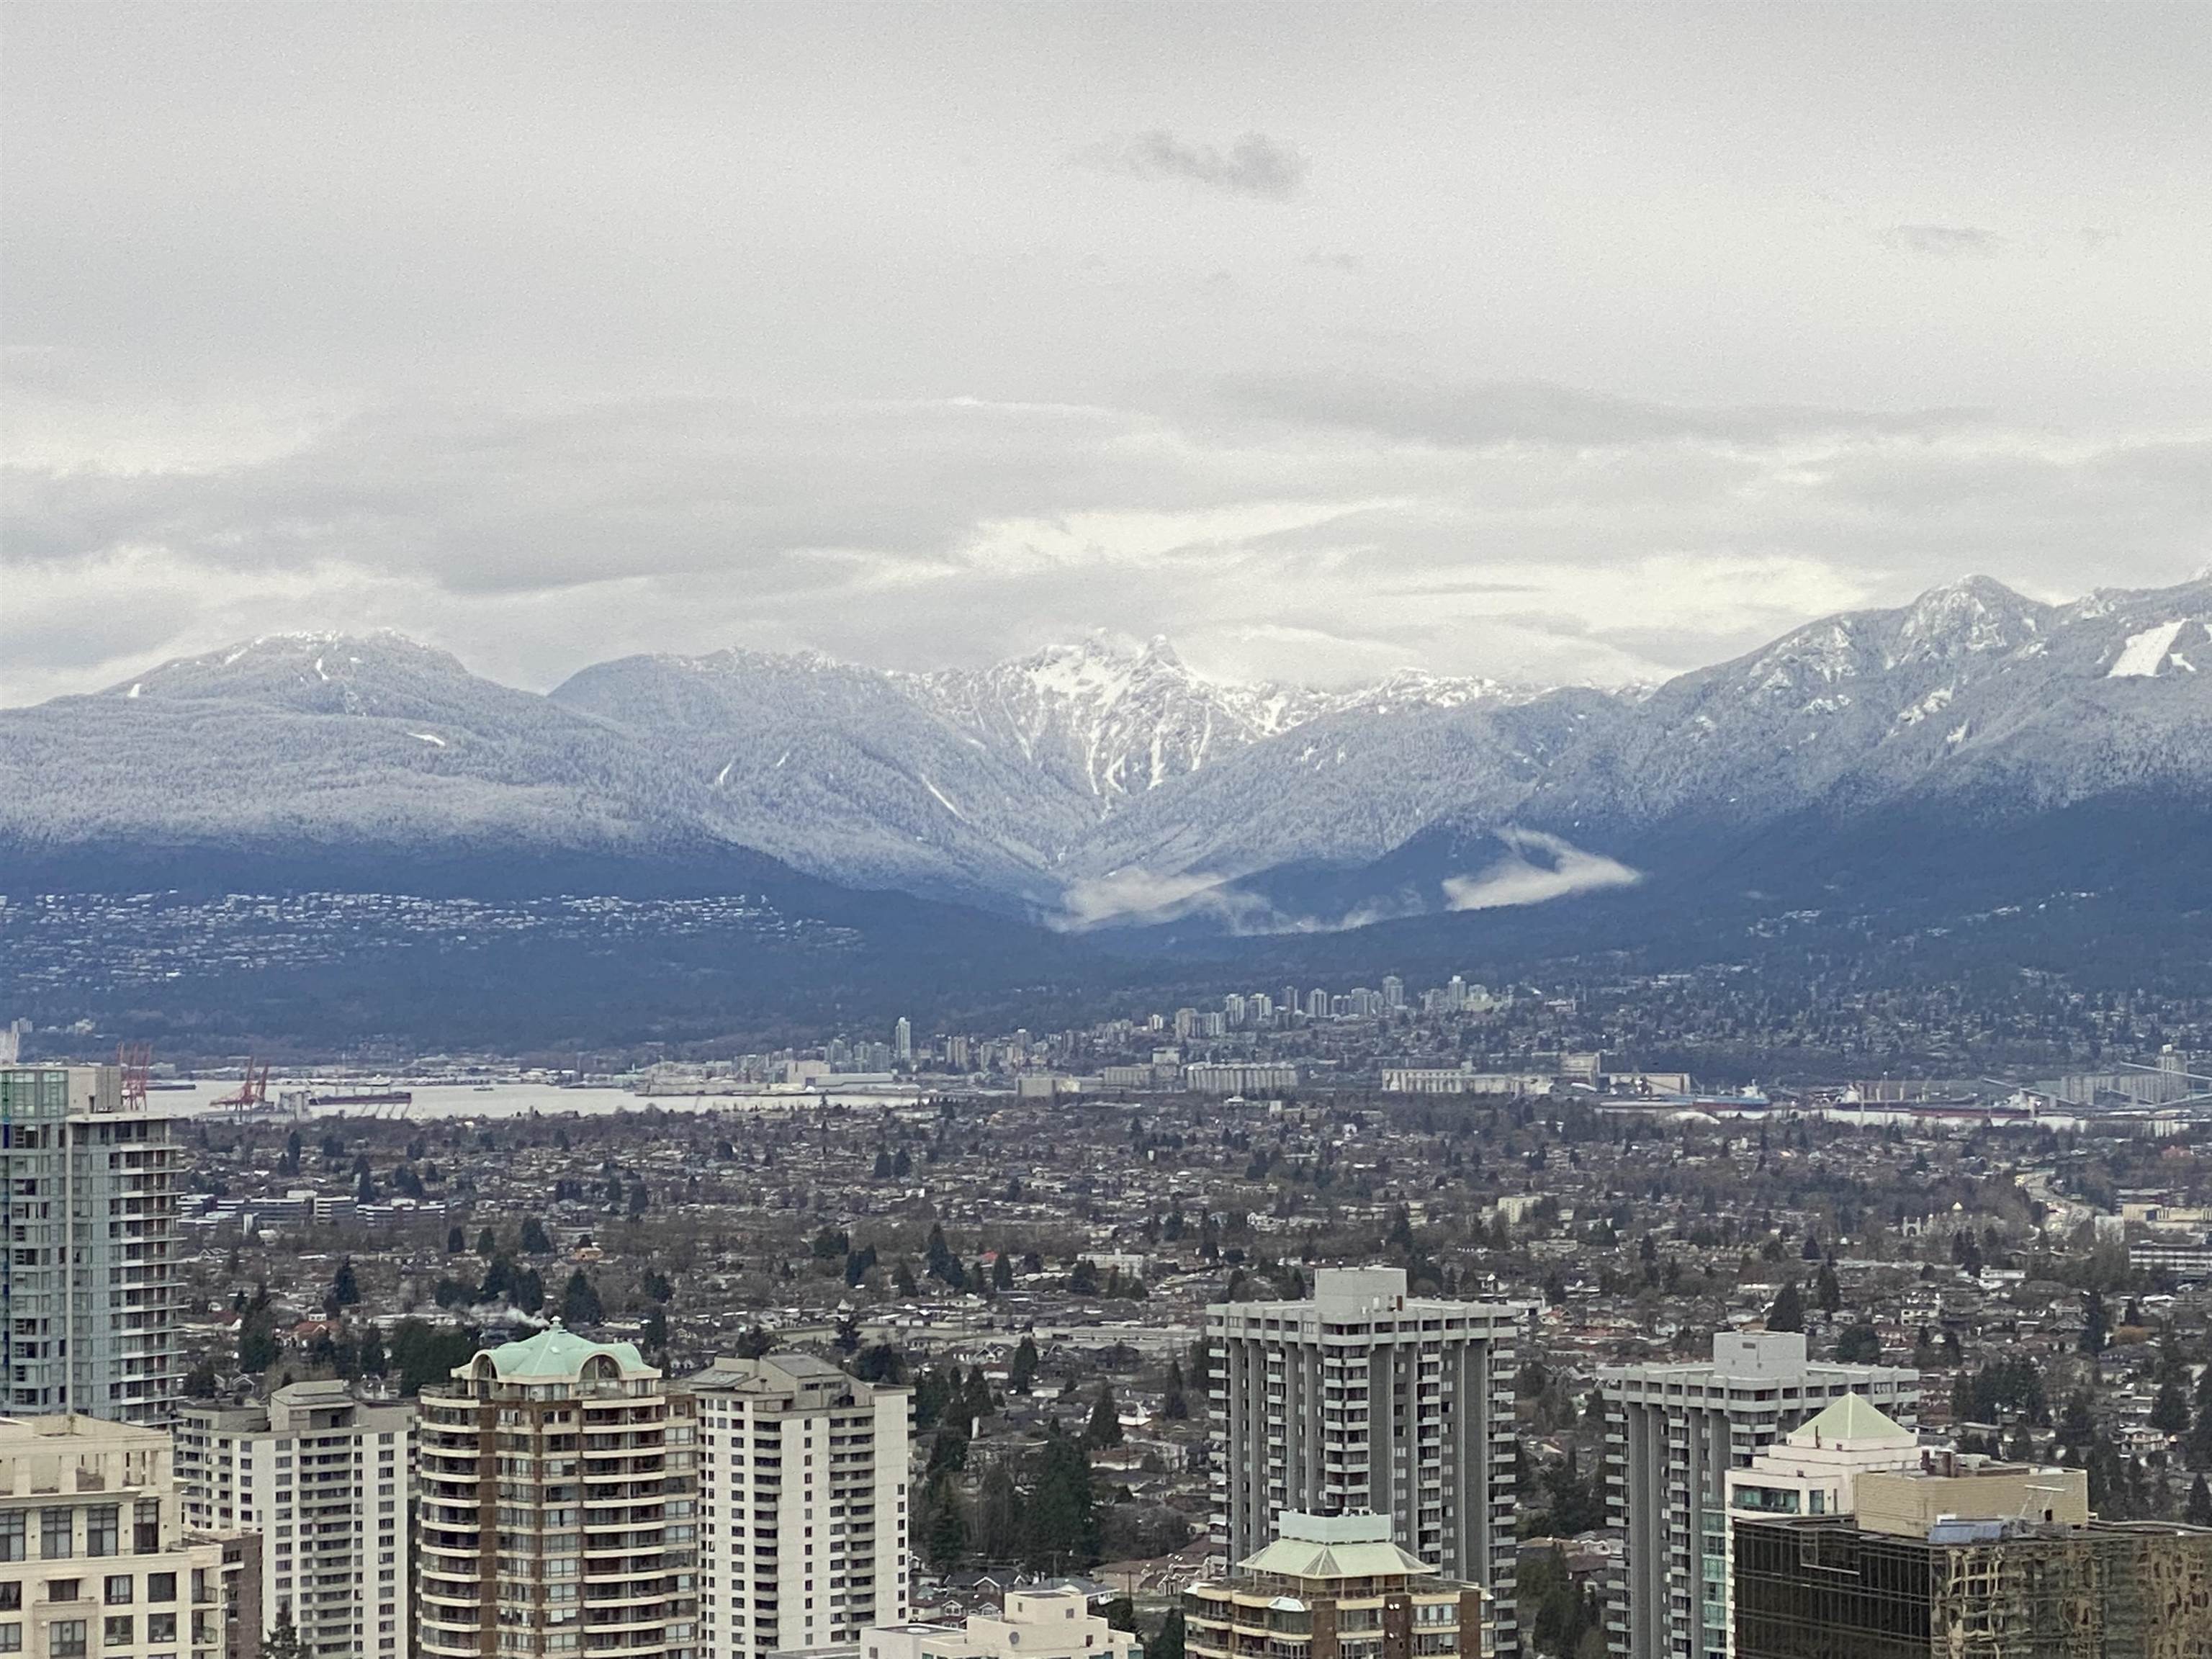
x,y
1976,614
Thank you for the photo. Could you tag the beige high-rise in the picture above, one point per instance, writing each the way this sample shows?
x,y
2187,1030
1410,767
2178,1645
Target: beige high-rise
x,y
558,1514
95,1563
803,1489
323,1476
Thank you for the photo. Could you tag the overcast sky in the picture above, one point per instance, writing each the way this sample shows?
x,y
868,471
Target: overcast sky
x,y
1544,342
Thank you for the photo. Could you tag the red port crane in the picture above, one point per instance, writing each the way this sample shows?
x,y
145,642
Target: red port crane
x,y
252,1093
136,1060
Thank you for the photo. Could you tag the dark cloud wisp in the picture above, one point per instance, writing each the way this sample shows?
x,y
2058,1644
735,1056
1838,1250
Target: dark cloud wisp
x,y
1255,165
1945,241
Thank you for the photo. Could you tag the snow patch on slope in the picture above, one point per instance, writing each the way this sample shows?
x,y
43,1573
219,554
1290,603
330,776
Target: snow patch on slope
x,y
2145,653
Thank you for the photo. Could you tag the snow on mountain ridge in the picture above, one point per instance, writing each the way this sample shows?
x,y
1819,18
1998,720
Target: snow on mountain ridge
x,y
1005,785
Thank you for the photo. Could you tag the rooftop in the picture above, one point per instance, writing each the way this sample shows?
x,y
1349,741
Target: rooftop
x,y
56,1428
1849,1423
553,1352
1356,1545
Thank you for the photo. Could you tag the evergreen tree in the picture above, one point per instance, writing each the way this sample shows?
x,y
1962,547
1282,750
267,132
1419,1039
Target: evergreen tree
x,y
535,1241
428,1353
2198,1511
281,1641
487,1246
999,1519
942,1522
456,1240
1021,1374
1063,1534
2096,1326
2169,1411
879,1362
2197,1450
1104,1428
948,1451
1002,1272
1788,1313
257,1333
345,1289
976,1402
1859,1344
579,1303
1826,1292
1167,1642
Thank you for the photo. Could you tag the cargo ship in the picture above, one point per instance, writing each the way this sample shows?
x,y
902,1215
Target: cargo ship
x,y
377,1091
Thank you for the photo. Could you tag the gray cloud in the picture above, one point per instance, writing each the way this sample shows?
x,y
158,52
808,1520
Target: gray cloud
x,y
1255,165
1439,411
1945,241
1609,539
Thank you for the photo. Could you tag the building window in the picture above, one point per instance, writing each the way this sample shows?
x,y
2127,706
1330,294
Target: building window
x,y
65,1639
160,1587
161,1627
64,1589
121,1631
117,1589
11,1597
56,1533
146,1526
13,1538
11,1638
103,1531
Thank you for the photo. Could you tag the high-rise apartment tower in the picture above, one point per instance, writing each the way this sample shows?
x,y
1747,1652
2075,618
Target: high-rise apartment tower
x,y
1366,1399
803,1502
1673,1433
556,1513
88,1281
323,1476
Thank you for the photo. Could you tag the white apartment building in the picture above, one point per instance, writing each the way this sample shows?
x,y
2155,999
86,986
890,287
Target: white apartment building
x,y
87,1273
95,1563
324,1478
557,1515
1673,1433
1364,1399
804,1538
1041,1623
1240,1076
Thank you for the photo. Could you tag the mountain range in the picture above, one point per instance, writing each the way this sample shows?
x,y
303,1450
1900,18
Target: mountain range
x,y
1972,742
